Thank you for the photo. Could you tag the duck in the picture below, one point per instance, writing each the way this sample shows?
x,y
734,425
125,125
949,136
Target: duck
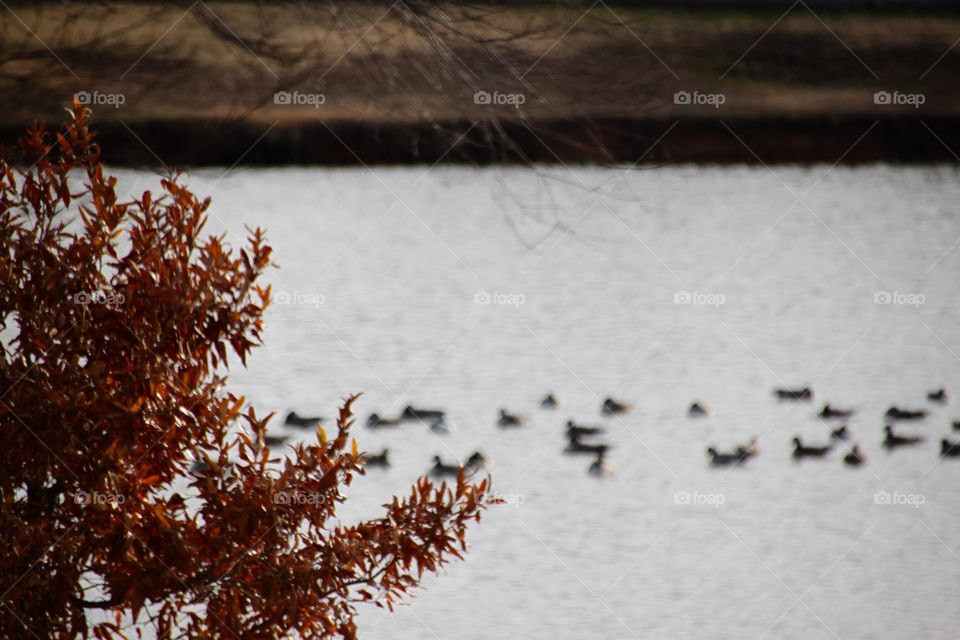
x,y
802,451
575,431
550,402
376,421
440,427
611,406
794,394
940,395
381,459
201,466
600,467
476,461
510,420
854,458
441,470
949,449
832,412
896,413
892,440
697,410
574,445
274,441
840,433
718,459
410,413
749,449
295,420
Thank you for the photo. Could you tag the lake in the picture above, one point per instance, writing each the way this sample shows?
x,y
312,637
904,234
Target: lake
x,y
476,289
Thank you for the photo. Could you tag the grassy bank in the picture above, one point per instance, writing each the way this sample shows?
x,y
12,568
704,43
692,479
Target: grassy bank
x,y
377,67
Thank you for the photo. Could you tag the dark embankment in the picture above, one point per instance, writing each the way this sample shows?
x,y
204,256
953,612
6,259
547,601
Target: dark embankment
x,y
335,83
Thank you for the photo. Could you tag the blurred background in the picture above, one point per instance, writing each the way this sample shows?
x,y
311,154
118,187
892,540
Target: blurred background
x,y
332,82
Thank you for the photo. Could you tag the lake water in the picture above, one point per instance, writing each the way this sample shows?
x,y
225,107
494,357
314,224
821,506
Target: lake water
x,y
839,278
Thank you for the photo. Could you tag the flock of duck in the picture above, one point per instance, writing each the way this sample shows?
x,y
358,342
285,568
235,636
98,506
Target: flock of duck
x,y
839,433
580,439
435,418
587,440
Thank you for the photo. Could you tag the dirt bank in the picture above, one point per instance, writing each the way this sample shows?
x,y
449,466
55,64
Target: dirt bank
x,y
334,83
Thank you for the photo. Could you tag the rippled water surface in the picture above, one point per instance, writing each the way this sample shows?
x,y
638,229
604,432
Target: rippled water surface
x,y
784,270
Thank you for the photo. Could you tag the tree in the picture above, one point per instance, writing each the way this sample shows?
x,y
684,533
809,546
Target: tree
x,y
136,491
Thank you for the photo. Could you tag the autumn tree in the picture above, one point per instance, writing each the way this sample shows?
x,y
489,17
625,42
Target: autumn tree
x,y
138,496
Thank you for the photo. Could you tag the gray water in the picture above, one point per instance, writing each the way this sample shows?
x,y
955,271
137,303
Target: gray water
x,y
787,271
